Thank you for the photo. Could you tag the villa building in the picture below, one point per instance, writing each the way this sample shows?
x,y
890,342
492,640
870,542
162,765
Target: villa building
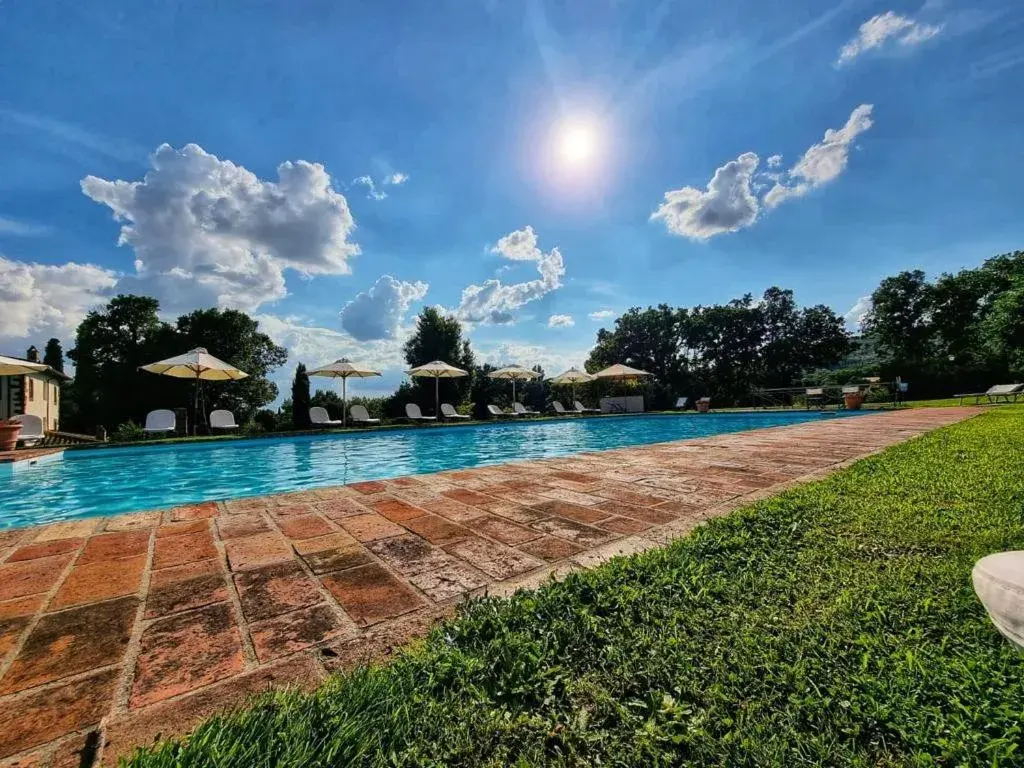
x,y
36,393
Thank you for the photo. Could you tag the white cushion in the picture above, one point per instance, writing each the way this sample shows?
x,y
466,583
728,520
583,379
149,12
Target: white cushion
x,y
999,582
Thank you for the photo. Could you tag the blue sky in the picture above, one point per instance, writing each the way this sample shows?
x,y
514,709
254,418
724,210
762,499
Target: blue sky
x,y
523,164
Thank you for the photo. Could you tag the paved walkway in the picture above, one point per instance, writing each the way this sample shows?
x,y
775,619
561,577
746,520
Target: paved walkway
x,y
113,630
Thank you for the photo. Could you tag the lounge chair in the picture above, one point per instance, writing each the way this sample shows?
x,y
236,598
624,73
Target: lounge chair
x,y
815,396
497,413
413,413
31,428
1005,391
682,402
319,417
222,420
522,410
852,389
449,412
357,414
704,405
581,408
558,408
160,420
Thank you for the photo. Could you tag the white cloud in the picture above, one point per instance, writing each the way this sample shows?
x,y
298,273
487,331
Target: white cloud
x,y
21,228
774,161
601,314
727,205
46,300
822,162
371,188
497,302
876,31
856,314
378,312
561,321
553,360
397,179
314,345
208,232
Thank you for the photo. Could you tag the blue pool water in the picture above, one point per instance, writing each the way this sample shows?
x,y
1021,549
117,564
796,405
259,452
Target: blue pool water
x,y
114,480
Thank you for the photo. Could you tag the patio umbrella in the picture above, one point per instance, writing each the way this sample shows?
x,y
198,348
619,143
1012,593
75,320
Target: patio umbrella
x,y
573,376
515,373
620,372
12,366
199,365
437,370
344,369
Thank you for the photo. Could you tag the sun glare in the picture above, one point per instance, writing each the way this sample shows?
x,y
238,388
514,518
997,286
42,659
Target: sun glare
x,y
577,144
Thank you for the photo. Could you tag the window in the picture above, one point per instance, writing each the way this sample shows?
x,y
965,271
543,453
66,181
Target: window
x,y
31,389
56,390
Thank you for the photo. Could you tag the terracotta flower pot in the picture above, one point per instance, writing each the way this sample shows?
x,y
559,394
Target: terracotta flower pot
x,y
9,436
853,401
703,407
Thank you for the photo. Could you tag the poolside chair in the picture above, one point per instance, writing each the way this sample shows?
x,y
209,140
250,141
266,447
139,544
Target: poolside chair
x,y
704,405
31,428
1005,391
413,413
581,408
558,408
160,421
522,410
357,414
497,413
450,413
682,402
319,417
222,420
815,396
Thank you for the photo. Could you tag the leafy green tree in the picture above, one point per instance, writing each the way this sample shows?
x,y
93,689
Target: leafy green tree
x,y
439,337
899,318
301,400
1003,329
53,355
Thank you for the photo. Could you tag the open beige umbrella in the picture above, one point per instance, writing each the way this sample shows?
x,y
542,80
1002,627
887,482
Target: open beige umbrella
x,y
620,372
344,369
12,366
573,376
437,370
198,365
515,373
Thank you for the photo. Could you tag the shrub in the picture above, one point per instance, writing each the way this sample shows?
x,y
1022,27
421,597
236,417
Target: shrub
x,y
127,432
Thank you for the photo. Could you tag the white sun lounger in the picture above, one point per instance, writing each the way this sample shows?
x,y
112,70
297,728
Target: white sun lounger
x,y
560,409
497,413
682,402
449,412
1005,391
413,412
160,420
359,415
522,410
222,420
581,408
320,418
31,428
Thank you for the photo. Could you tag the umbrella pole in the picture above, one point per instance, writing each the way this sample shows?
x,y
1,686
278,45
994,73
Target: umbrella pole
x,y
437,396
344,398
513,394
195,406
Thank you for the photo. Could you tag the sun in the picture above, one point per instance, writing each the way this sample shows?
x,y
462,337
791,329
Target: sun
x,y
577,143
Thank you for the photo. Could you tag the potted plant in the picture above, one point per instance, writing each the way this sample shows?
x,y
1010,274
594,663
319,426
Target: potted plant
x,y
853,400
9,431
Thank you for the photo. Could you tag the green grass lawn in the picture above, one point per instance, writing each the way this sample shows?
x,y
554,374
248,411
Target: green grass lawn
x,y
832,625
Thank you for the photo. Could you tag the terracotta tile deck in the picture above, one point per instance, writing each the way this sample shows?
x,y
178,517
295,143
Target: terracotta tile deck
x,y
114,630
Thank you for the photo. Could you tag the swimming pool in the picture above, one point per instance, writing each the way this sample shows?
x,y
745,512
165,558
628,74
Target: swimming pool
x,y
109,481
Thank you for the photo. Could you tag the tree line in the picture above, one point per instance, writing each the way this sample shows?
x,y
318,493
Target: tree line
x,y
962,331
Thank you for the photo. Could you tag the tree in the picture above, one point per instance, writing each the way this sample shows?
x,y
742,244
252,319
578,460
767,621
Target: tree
x,y
300,398
234,337
53,356
439,337
899,318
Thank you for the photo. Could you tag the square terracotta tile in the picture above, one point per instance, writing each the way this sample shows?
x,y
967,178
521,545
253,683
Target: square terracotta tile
x,y
335,509
517,513
133,522
21,606
436,529
408,554
185,595
502,530
112,546
370,486
549,548
333,540
291,632
257,551
174,574
72,642
187,651
651,515
275,589
584,535
49,714
304,526
201,511
31,576
453,579
98,581
370,527
370,594
574,511
10,632
573,497
396,510
182,528
44,549
496,560
327,561
451,509
186,548
73,529
239,526
465,496
624,525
